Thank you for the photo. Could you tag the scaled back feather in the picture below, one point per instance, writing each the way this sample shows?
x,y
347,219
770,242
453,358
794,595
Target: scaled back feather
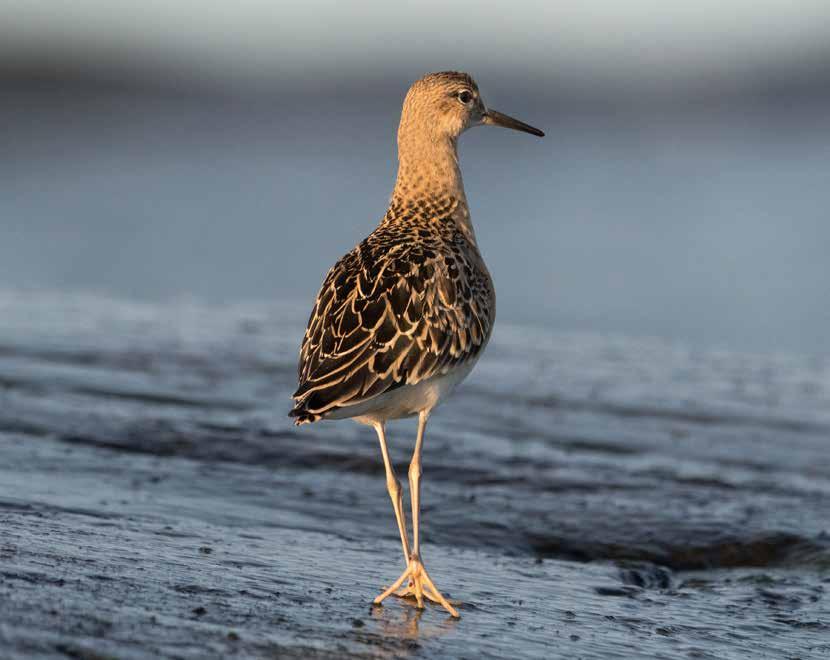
x,y
410,302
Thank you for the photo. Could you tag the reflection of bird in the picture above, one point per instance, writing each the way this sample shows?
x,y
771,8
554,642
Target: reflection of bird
x,y
403,318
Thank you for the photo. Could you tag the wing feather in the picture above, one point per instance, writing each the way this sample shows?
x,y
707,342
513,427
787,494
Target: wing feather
x,y
387,316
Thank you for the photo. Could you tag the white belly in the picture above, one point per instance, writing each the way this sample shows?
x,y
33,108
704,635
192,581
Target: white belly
x,y
405,401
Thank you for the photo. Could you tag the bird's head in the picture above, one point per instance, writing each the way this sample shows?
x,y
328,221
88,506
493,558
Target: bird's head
x,y
444,105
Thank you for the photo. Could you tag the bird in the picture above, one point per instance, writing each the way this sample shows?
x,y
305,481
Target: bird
x,y
402,319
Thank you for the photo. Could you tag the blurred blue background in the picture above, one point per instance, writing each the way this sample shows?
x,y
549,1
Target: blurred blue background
x,y
233,150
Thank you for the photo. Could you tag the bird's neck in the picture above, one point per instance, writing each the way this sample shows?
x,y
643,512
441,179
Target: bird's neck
x,y
428,172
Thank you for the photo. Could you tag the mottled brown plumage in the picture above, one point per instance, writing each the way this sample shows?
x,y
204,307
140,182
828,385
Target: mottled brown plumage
x,y
402,318
411,301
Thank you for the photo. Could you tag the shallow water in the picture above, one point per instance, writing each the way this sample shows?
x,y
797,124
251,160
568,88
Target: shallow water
x,y
584,496
706,224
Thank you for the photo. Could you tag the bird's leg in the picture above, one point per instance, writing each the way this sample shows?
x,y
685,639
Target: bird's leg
x,y
395,492
419,583
415,473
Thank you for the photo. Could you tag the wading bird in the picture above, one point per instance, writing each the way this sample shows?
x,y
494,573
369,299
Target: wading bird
x,y
403,318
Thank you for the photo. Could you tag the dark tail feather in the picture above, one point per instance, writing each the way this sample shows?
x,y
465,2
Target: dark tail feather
x,y
302,415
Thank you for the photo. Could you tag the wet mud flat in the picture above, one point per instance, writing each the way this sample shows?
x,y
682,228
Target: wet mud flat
x,y
584,497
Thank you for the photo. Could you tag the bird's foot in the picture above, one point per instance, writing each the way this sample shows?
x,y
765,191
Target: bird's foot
x,y
419,586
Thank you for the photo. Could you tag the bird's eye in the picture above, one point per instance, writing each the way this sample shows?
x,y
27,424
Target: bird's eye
x,y
465,96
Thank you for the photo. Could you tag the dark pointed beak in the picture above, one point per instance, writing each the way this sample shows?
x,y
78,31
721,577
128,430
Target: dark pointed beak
x,y
493,118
